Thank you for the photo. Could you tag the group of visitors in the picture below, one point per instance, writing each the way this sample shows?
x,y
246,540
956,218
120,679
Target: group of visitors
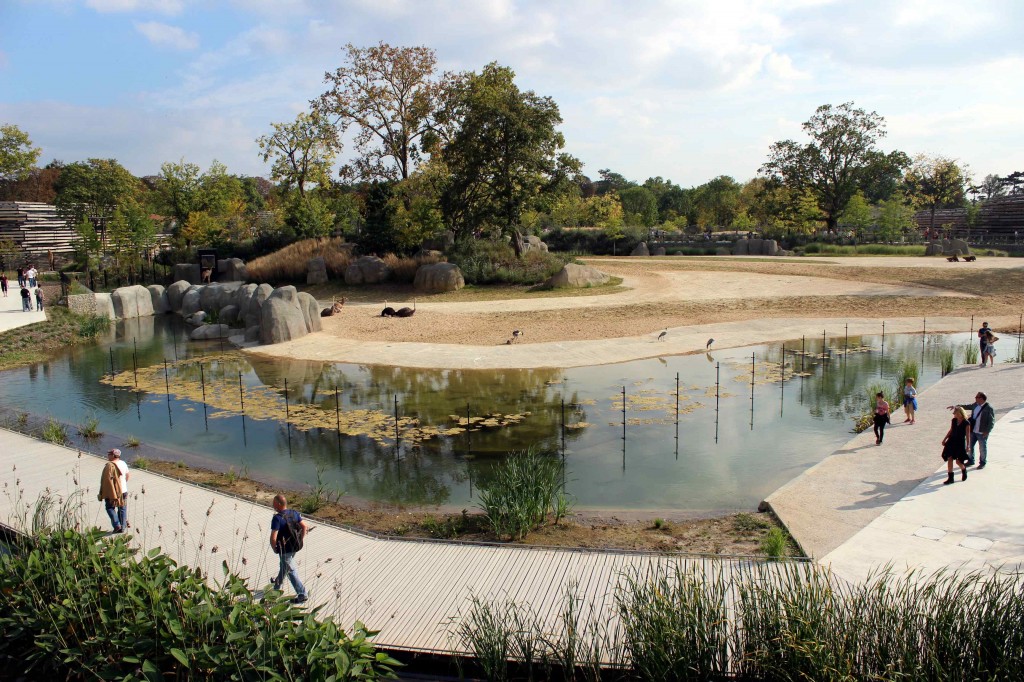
x,y
987,344
27,277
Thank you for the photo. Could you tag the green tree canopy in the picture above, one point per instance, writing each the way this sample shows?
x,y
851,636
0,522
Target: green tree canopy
x,y
640,206
716,201
935,182
17,155
389,96
504,154
302,151
841,157
94,188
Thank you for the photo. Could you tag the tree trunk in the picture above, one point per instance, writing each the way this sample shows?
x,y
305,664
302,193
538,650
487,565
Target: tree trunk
x,y
517,243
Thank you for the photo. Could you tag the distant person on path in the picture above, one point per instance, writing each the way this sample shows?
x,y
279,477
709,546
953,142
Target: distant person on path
x,y
39,298
21,277
955,444
881,417
990,349
282,525
111,493
981,340
31,274
26,300
3,283
909,400
983,419
122,468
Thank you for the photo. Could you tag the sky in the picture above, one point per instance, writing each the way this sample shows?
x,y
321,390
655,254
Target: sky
x,y
683,89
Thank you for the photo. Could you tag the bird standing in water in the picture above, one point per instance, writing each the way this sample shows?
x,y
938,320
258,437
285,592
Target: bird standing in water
x,y
710,341
662,335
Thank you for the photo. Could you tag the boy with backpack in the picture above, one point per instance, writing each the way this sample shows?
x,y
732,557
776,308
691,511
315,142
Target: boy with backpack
x,y
287,532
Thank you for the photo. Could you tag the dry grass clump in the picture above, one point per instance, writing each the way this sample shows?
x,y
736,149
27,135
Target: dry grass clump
x,y
289,264
404,269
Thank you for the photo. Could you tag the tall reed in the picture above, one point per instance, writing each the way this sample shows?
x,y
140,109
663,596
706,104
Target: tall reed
x,y
947,358
525,488
971,353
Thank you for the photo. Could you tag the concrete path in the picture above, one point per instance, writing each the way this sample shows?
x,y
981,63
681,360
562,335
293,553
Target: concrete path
x,y
867,506
11,314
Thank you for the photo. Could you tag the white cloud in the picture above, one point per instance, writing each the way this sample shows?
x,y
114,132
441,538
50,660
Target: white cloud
x,y
165,35
168,7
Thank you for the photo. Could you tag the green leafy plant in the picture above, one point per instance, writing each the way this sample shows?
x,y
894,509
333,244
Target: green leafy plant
x,y
971,353
775,543
132,442
320,494
140,463
947,359
525,488
90,428
55,432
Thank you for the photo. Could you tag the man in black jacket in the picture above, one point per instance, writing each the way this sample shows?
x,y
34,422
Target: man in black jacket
x,y
983,418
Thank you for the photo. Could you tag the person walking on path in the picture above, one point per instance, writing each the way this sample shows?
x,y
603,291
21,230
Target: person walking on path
x,y
111,494
983,419
3,283
909,400
21,277
880,418
31,275
955,444
990,349
981,340
122,468
26,300
39,298
283,525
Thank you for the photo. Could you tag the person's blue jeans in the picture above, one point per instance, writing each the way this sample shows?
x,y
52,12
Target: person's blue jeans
x,y
122,512
26,305
32,282
982,441
115,513
288,566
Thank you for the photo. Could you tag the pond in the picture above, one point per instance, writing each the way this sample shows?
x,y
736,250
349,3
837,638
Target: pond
x,y
628,440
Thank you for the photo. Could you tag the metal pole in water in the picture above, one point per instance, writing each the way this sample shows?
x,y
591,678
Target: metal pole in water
x,y
202,382
469,435
718,382
803,353
881,359
846,340
623,428
563,428
287,410
753,371
174,340
111,364
135,363
1020,327
397,441
824,355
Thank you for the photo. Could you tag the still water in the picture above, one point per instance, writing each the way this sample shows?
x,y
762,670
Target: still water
x,y
733,442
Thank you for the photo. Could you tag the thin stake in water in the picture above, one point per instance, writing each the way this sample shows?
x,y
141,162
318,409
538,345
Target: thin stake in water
x,y
753,372
202,382
397,441
167,385
718,383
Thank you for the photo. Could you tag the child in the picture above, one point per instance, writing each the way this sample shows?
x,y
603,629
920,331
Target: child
x,y
909,401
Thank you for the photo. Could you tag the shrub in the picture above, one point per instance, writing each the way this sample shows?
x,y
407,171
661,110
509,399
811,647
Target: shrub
x,y
55,432
494,262
971,352
73,603
524,489
775,543
90,428
403,269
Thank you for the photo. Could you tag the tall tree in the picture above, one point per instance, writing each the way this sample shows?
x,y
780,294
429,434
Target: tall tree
x,y
639,205
935,182
17,155
503,155
390,96
303,150
840,158
94,188
179,189
717,201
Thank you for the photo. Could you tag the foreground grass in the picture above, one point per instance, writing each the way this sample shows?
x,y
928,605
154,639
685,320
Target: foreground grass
x,y
40,341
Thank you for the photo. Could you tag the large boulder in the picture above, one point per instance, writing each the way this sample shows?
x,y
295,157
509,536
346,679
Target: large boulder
x,y
956,247
259,296
316,271
641,250
367,270
658,251
577,276
231,270
158,295
770,247
210,331
282,317
533,243
175,293
741,247
228,314
190,302
133,301
311,311
439,277
105,306
933,249
242,296
188,272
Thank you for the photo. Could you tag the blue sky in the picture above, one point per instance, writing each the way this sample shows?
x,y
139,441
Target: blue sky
x,y
682,89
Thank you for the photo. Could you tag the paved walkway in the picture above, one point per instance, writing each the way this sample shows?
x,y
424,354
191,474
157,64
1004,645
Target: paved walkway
x,y
11,314
408,590
866,506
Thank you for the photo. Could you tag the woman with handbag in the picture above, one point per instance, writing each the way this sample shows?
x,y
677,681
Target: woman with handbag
x,y
881,417
956,444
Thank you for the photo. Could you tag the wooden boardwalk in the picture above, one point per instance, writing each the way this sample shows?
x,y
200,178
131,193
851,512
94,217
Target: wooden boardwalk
x,y
408,590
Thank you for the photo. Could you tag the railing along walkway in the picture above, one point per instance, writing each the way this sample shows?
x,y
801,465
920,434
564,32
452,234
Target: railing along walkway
x,y
409,590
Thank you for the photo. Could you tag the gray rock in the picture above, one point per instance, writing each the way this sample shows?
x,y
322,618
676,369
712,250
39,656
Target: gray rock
x,y
282,317
210,331
252,333
310,311
228,314
175,293
190,301
533,243
957,247
242,296
133,301
158,295
197,318
188,272
439,277
741,247
641,250
105,306
933,249
235,270
770,247
367,270
316,271
658,251
577,276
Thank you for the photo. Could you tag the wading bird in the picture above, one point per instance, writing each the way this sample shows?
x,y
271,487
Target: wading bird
x,y
662,335
710,341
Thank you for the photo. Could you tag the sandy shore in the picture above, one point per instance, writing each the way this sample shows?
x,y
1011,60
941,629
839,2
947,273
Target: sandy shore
x,y
735,301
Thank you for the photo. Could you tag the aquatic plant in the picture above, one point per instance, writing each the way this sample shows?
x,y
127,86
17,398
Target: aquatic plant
x,y
55,432
524,489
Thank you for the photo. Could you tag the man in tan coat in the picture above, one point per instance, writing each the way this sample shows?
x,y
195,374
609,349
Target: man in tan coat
x,y
111,492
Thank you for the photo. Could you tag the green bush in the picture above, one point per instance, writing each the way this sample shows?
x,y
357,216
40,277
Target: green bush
x,y
524,489
78,606
55,432
495,262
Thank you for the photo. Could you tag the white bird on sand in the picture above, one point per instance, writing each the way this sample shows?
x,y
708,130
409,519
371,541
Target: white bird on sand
x,y
662,335
710,341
